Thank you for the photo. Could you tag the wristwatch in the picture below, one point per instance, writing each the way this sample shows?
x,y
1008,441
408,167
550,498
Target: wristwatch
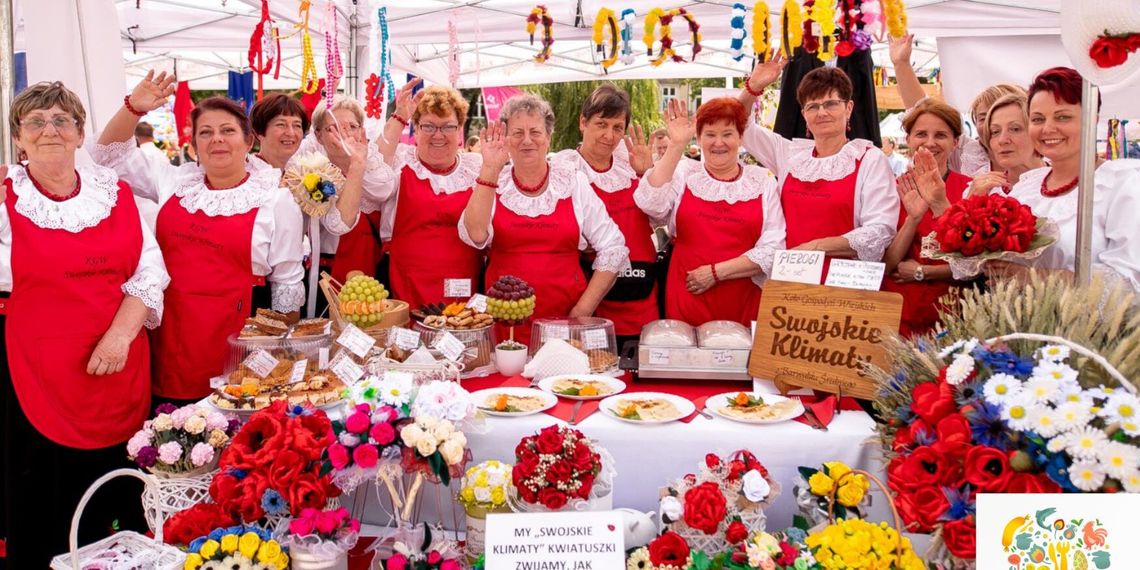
x,y
919,274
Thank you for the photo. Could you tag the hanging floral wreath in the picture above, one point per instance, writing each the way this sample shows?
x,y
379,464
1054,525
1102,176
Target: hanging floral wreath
x,y
606,17
736,46
853,25
823,13
627,18
761,32
1112,50
537,15
895,14
665,18
791,30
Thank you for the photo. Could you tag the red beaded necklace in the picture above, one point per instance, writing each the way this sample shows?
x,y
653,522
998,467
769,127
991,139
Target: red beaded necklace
x,y
441,171
739,173
530,189
1046,192
55,197
602,171
210,186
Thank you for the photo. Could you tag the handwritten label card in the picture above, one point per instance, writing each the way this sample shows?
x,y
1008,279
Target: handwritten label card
x,y
406,339
722,357
453,288
299,368
659,357
260,362
345,369
452,348
560,332
555,541
477,303
798,266
855,274
356,341
595,338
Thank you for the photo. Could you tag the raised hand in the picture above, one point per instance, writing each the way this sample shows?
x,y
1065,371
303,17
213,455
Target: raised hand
x,y
355,146
767,73
493,145
640,153
679,123
929,179
153,91
901,49
405,101
912,200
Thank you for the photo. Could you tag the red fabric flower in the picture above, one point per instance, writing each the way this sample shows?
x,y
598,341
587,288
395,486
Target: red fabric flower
x,y
552,498
584,459
954,435
736,532
844,48
905,436
788,554
550,440
705,507
251,490
365,456
338,456
559,472
286,467
199,520
1030,483
922,468
306,492
1109,52
434,557
669,548
960,539
262,437
586,486
712,460
933,401
921,509
382,433
988,469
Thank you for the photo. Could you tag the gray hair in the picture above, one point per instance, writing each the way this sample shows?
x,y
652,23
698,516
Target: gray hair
x,y
530,104
321,114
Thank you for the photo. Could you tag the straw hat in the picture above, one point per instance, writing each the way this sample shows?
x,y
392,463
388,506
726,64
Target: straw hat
x,y
1083,21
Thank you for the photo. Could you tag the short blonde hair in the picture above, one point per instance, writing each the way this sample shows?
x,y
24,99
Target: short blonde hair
x,y
441,101
990,94
1012,99
530,104
45,95
321,113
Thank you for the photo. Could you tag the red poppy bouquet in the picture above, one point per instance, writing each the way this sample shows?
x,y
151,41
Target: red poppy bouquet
x,y
984,228
1112,50
363,438
557,467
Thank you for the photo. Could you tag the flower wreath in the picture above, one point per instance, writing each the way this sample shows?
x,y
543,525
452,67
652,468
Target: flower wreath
x,y
823,13
761,31
738,32
666,18
792,29
606,16
627,17
852,34
895,14
1110,50
541,14
313,180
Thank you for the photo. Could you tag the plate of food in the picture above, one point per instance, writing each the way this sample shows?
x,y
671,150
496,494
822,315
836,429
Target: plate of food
x,y
320,390
647,407
513,401
582,386
754,408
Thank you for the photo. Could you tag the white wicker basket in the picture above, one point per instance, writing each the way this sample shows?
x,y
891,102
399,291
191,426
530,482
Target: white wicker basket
x,y
755,520
123,550
174,493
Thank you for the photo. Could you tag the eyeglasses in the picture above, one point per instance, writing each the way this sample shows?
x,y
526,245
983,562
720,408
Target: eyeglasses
x,y
61,123
831,106
430,129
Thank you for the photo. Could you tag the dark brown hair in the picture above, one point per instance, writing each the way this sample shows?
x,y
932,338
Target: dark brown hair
x,y
275,105
219,103
608,101
821,81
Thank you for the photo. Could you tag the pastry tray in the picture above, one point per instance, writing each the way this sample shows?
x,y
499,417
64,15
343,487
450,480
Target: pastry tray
x,y
689,363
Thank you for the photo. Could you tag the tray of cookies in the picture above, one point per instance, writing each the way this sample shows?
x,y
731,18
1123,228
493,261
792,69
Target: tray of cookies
x,y
290,370
473,328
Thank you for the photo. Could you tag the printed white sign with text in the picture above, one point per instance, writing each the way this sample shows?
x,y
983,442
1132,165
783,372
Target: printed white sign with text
x,y
555,541
798,266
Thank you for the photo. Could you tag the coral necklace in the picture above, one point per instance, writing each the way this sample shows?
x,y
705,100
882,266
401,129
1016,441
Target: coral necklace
x,y
530,189
1046,192
55,197
441,171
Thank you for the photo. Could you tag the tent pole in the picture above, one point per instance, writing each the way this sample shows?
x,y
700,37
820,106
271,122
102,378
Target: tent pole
x,y
7,79
351,85
90,95
1083,263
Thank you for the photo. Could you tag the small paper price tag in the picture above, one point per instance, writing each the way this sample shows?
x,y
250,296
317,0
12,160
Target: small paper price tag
x,y
356,341
798,266
323,358
456,288
722,357
477,303
451,347
595,338
260,362
560,332
299,368
218,382
405,339
345,369
659,357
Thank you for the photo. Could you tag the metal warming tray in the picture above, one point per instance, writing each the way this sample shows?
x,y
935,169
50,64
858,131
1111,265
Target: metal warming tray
x,y
670,349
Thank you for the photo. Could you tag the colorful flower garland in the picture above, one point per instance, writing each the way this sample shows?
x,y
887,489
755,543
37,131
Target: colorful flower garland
x,y
541,14
665,18
792,32
823,13
761,31
736,46
1112,50
309,81
627,18
895,14
852,33
606,17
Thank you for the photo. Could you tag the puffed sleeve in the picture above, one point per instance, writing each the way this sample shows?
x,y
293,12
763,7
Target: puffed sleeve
x,y
150,278
334,223
599,229
466,237
876,207
658,202
773,236
1121,255
380,181
147,175
286,269
768,147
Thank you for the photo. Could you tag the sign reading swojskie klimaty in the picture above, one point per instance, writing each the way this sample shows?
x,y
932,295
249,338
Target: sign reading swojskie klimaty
x,y
555,541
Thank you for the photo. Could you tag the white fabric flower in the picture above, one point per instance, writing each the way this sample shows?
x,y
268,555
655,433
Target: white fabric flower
x,y
311,161
1016,413
1059,443
966,345
426,446
445,400
1083,397
1121,407
1086,443
1073,415
1043,389
1001,389
483,494
396,389
348,439
411,434
195,425
1132,482
452,451
756,555
671,508
1054,353
1131,428
1119,459
1087,476
1043,421
442,430
755,487
960,369
162,422
1055,370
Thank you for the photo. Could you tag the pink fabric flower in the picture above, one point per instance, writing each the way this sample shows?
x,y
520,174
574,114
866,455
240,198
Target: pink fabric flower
x,y
201,454
217,420
397,562
178,417
365,456
382,433
449,565
170,452
338,456
301,526
357,423
138,441
326,523
434,557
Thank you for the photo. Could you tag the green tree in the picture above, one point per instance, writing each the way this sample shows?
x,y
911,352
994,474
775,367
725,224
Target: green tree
x,y
566,100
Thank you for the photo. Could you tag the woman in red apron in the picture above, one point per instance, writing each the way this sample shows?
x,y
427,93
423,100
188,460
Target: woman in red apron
x,y
84,275
224,226
433,181
613,169
536,216
838,195
725,217
932,132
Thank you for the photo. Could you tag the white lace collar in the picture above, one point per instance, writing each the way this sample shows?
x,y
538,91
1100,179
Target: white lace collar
x,y
255,192
751,184
460,179
809,168
618,177
98,193
563,178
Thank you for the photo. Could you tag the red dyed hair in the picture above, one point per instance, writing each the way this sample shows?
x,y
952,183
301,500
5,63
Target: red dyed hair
x,y
726,109
1064,83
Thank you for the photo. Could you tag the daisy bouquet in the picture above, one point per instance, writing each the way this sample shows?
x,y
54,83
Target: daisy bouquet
x,y
181,441
236,547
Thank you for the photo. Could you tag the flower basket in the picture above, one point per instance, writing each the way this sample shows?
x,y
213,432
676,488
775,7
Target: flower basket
x,y
122,550
587,487
905,557
172,493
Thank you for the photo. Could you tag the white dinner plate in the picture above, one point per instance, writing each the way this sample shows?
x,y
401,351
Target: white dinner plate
x,y
610,406
616,386
330,409
480,400
717,404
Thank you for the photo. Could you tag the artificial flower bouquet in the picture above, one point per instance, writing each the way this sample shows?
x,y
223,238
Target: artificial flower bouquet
x,y
559,468
485,486
434,446
722,503
985,228
181,441
236,547
759,550
313,179
363,438
816,485
411,551
322,536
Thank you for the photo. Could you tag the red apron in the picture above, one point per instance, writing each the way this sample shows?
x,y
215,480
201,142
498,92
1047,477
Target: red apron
x,y
425,248
66,290
711,232
630,316
542,251
360,249
208,258
819,209
920,298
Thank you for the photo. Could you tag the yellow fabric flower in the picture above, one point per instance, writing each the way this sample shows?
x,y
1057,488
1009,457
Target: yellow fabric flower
x,y
310,181
498,496
248,544
317,195
208,549
229,543
193,562
282,561
268,552
850,494
836,469
820,484
467,494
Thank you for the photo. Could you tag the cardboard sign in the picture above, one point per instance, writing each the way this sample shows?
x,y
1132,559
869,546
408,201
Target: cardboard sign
x,y
796,266
855,274
555,541
819,337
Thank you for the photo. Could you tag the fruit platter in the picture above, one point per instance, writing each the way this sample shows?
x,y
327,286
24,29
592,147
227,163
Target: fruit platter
x,y
363,301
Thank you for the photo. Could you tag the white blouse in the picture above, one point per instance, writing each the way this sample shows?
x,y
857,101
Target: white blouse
x,y
596,228
276,247
618,177
876,201
660,203
460,179
98,194
1115,232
